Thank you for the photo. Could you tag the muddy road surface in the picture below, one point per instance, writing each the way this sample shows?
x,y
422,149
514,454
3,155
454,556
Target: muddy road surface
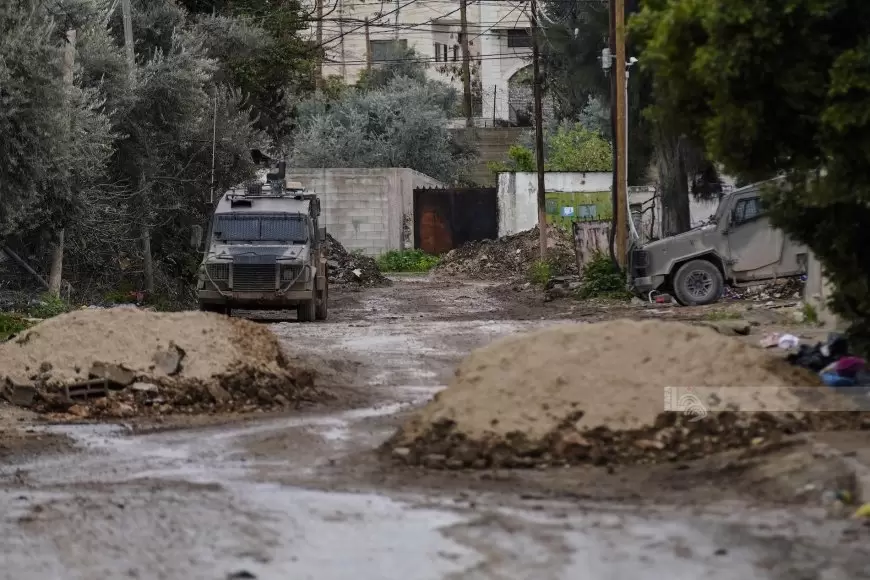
x,y
306,495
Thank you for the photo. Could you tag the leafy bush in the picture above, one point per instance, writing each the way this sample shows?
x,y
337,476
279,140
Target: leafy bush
x,y
407,261
11,324
47,307
540,272
601,279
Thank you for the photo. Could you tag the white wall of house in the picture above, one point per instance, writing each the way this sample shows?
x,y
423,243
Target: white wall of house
x,y
518,195
423,25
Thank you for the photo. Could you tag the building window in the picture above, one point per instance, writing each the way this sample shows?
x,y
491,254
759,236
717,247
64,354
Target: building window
x,y
519,38
440,52
455,53
386,50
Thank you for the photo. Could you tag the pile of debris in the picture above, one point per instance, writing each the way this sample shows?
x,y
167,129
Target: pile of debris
x,y
594,393
124,362
781,289
350,269
510,257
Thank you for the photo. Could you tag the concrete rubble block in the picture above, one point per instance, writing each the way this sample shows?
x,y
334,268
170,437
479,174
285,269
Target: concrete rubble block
x,y
115,374
218,393
18,391
168,361
144,387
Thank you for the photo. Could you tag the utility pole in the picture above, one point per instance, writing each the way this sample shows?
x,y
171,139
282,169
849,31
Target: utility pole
x,y
621,208
368,47
55,276
466,66
539,132
318,81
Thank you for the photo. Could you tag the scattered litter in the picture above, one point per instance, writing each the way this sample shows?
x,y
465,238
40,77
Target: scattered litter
x,y
862,512
832,361
565,395
783,341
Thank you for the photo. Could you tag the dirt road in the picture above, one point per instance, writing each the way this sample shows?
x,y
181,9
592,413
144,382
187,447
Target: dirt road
x,y
306,496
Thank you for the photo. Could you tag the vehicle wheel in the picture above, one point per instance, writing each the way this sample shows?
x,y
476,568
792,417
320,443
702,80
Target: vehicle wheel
x,y
697,283
307,311
323,303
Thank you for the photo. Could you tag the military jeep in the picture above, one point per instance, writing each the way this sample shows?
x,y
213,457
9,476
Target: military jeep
x,y
738,247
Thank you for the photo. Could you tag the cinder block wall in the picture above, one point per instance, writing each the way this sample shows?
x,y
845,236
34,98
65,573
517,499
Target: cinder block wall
x,y
364,209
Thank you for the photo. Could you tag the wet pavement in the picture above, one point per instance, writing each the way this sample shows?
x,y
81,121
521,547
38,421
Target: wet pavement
x,y
263,499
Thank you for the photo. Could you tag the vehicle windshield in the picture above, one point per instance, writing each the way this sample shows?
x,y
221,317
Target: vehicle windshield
x,y
287,228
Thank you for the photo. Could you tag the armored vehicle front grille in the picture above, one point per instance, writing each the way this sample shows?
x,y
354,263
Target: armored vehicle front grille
x,y
218,271
254,277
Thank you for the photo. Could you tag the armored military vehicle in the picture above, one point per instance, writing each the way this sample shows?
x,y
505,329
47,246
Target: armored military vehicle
x,y
738,247
264,250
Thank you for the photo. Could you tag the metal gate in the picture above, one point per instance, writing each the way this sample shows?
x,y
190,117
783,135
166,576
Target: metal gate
x,y
447,218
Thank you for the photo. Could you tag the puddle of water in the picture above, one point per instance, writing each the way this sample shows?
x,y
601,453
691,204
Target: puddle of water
x,y
354,536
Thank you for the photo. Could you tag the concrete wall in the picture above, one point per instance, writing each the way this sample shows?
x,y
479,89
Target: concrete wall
x,y
817,292
518,195
493,144
366,209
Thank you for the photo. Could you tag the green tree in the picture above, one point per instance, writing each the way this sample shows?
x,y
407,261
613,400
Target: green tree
x,y
779,88
264,54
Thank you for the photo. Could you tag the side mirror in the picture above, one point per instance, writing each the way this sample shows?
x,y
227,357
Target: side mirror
x,y
196,237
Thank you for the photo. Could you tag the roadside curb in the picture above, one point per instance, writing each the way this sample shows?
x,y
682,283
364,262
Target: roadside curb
x,y
859,470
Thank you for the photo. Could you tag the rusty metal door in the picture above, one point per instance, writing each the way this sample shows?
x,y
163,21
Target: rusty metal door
x,y
447,218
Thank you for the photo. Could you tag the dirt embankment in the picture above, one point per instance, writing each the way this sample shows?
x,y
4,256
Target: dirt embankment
x,y
125,362
598,393
510,257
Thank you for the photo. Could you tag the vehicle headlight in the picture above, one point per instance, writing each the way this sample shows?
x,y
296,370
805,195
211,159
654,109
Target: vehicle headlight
x,y
289,273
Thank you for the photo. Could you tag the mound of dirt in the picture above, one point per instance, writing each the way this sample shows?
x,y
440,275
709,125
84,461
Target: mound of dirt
x,y
596,393
351,270
126,361
509,257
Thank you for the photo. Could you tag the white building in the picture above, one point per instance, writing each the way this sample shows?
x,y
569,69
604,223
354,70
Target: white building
x,y
499,44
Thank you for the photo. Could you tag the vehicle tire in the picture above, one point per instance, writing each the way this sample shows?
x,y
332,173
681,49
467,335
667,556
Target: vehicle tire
x,y
697,283
216,308
306,311
323,303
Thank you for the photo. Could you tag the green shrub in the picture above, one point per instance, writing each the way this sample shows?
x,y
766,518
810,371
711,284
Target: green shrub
x,y
407,261
540,272
48,307
601,279
11,324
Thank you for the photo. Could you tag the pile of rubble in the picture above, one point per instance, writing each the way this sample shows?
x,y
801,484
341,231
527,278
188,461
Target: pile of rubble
x,y
510,257
616,392
351,270
125,362
782,289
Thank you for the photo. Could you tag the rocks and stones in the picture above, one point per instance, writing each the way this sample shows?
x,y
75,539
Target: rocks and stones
x,y
152,363
615,392
348,269
510,257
